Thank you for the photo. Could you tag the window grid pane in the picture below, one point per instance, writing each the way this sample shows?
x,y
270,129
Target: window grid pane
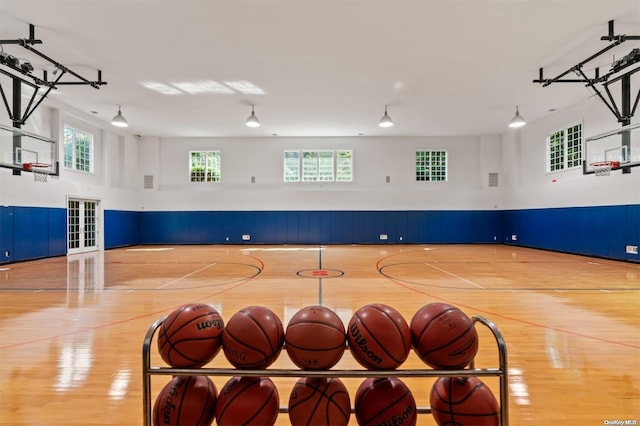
x,y
564,149
431,166
73,223
344,166
68,147
78,150
556,151
318,166
309,166
205,166
89,224
292,166
574,146
325,166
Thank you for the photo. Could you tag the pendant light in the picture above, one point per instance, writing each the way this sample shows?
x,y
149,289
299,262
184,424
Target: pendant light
x,y
385,121
252,121
119,120
517,120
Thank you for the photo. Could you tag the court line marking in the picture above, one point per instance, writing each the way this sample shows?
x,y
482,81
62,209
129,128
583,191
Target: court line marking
x,y
185,276
455,276
150,249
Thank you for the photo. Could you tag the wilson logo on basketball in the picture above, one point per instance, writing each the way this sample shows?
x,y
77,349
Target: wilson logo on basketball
x,y
362,343
398,420
209,324
238,355
169,406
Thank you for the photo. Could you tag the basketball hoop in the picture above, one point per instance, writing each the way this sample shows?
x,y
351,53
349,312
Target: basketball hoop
x,y
39,171
603,168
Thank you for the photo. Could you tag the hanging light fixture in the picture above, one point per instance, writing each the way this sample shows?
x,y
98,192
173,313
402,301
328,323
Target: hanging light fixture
x,y
517,120
119,120
385,121
252,121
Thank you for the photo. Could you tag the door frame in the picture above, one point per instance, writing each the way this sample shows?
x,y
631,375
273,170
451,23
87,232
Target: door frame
x,y
99,237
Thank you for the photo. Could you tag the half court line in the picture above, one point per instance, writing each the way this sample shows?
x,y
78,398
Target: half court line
x,y
455,276
184,276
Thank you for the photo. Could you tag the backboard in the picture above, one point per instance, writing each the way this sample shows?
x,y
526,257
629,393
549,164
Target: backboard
x,y
620,146
18,147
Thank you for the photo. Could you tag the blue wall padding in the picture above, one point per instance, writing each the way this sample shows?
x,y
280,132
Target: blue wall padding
x,y
320,227
121,228
601,231
32,233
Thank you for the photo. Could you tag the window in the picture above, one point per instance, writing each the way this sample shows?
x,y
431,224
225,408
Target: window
x,y
318,166
564,149
78,150
204,166
431,166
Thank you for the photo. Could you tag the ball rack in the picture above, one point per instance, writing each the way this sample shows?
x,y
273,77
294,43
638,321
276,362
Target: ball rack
x,y
501,372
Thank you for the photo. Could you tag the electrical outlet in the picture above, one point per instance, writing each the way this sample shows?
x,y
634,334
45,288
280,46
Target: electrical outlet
x,y
383,236
631,249
246,237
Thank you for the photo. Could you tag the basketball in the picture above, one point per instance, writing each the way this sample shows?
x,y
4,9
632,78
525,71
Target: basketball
x,y
185,401
253,338
247,401
190,336
443,336
315,338
319,401
385,401
463,401
379,337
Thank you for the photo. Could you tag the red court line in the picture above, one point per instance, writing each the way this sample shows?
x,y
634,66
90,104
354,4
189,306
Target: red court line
x,y
548,327
156,313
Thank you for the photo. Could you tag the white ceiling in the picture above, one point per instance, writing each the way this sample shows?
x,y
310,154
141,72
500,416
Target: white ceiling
x,y
327,68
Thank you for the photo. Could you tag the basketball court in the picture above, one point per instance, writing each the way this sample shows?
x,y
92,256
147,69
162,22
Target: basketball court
x,y
82,334
323,210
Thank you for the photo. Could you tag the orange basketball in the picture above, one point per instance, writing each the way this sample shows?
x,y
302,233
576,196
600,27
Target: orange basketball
x,y
319,401
190,336
185,400
379,337
443,336
253,338
463,401
385,401
247,401
315,338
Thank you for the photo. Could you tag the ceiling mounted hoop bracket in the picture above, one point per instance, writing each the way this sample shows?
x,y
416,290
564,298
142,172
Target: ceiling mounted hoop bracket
x,y
22,72
625,113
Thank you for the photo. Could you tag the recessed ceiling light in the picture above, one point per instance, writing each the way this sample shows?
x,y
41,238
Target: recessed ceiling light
x,y
161,88
199,87
245,87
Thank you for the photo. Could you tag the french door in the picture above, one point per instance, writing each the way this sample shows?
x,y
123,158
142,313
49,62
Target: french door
x,y
82,225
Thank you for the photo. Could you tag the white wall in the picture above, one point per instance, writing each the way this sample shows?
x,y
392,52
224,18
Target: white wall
x,y
122,160
528,185
470,158
112,183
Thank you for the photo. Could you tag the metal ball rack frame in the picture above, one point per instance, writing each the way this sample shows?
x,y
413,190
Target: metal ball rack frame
x,y
501,372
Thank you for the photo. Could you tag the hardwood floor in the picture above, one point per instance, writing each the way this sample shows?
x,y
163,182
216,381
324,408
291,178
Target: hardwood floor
x,y
72,328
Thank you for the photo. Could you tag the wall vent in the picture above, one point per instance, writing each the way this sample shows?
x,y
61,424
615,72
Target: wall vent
x,y
148,181
493,179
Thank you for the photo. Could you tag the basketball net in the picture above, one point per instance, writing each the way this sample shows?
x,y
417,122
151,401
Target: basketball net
x,y
39,171
602,169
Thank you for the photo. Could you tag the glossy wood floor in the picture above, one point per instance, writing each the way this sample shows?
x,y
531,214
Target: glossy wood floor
x,y
71,328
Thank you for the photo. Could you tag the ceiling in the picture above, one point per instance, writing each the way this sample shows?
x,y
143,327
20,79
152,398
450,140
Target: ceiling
x,y
324,67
